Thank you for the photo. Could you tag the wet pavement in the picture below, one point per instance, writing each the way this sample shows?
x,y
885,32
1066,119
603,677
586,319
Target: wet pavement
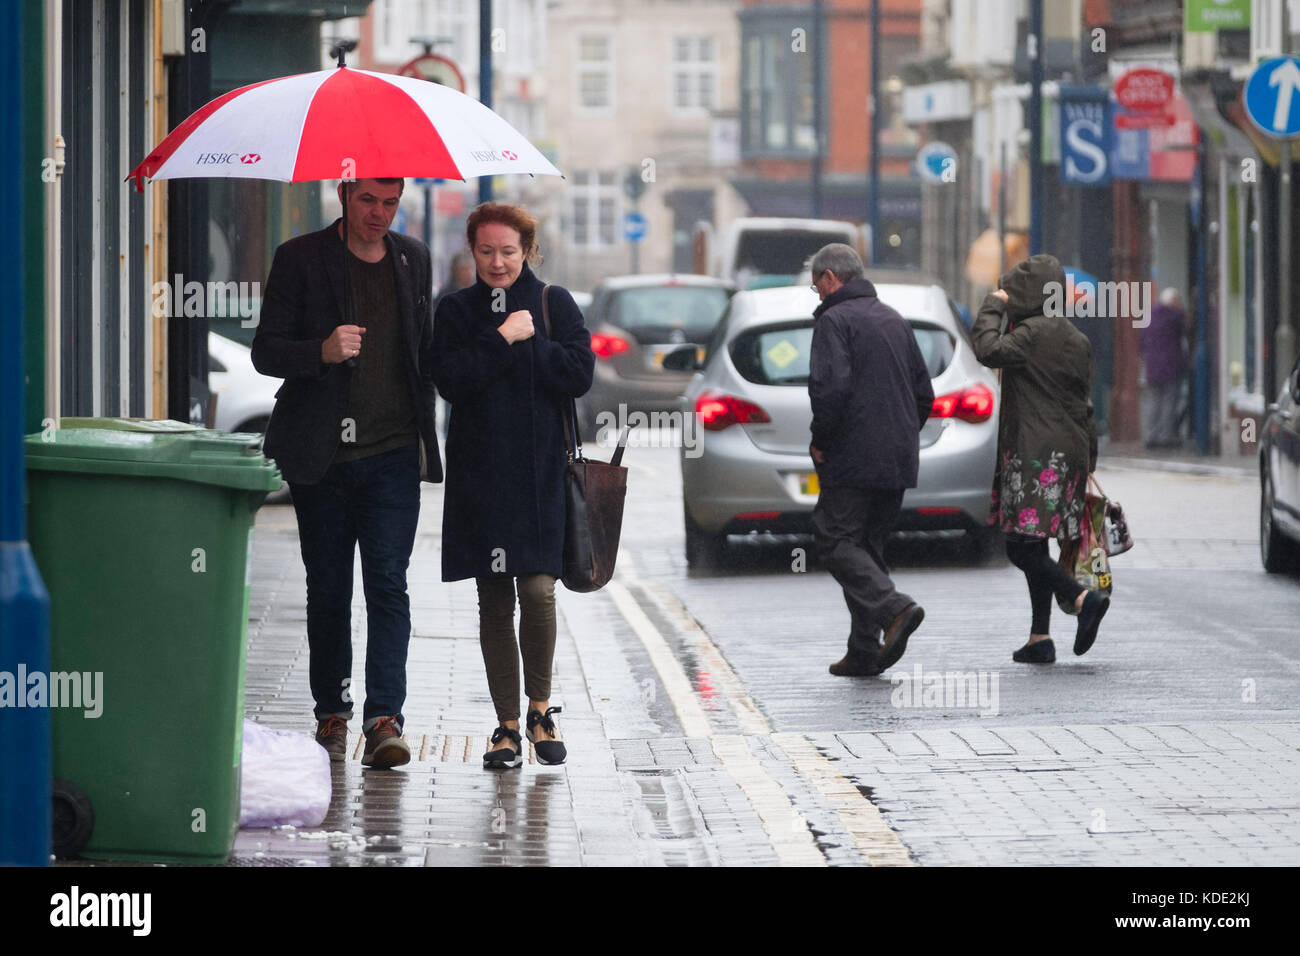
x,y
704,730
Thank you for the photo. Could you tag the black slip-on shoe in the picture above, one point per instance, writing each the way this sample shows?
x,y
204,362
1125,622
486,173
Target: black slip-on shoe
x,y
548,751
1094,609
896,635
1039,652
504,758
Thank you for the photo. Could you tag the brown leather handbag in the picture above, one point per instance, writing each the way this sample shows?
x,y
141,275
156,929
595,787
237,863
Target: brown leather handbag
x,y
593,497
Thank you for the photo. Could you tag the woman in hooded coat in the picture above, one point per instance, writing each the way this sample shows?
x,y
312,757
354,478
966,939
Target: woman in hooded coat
x,y
1047,443
508,382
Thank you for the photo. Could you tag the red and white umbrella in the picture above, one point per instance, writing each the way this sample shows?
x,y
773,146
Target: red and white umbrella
x,y
342,123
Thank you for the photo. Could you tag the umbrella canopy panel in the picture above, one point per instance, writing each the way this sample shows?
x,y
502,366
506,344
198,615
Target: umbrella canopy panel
x,y
342,123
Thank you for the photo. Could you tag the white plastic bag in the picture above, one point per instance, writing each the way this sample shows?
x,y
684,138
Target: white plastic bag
x,y
285,779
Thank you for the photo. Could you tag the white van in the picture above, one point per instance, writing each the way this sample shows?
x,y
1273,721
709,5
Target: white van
x,y
759,252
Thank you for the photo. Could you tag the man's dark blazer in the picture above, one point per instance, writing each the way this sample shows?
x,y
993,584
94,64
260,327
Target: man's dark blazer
x,y
301,307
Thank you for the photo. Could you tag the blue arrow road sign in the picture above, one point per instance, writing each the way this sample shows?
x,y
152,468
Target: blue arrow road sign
x,y
1273,97
634,226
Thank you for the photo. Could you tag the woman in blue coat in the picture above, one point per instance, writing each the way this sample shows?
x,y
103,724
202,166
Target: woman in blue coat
x,y
508,383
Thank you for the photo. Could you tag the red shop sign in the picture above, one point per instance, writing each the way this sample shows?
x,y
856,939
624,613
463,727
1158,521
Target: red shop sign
x,y
1145,89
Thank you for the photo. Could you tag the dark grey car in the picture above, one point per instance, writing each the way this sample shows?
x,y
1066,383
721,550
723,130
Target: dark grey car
x,y
1279,477
634,321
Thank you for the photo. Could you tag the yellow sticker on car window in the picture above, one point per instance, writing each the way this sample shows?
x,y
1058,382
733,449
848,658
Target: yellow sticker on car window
x,y
782,354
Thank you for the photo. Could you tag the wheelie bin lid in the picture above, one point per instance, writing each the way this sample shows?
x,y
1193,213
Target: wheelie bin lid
x,y
154,449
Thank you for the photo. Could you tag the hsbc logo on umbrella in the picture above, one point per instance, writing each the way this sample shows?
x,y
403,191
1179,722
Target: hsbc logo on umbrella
x,y
492,156
224,159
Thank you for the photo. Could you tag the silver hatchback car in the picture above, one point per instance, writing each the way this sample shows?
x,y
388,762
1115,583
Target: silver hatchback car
x,y
750,471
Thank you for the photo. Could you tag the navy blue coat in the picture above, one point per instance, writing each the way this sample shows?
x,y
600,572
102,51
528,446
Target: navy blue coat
x,y
503,512
870,392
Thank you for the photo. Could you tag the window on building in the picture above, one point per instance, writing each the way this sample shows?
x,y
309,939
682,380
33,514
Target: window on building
x,y
594,66
694,74
450,19
776,99
593,210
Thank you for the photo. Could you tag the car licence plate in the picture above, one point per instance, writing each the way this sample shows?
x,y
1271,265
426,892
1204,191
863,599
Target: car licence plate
x,y
657,357
809,485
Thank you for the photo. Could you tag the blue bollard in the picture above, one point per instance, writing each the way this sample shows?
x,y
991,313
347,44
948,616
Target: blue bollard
x,y
25,789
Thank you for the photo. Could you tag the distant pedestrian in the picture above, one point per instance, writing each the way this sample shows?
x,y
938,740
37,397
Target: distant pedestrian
x,y
1164,358
460,275
508,381
871,396
1047,443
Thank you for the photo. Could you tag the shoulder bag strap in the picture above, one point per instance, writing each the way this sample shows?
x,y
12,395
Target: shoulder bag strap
x,y
568,414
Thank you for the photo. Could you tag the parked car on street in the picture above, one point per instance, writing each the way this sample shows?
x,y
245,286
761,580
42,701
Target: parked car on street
x,y
634,322
244,396
751,471
1279,480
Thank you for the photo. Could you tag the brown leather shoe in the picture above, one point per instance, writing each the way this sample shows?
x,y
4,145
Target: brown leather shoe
x,y
896,635
853,664
385,747
332,734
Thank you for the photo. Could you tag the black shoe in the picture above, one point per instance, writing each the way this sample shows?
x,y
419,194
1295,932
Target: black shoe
x,y
548,751
856,664
896,635
504,758
1039,652
1094,609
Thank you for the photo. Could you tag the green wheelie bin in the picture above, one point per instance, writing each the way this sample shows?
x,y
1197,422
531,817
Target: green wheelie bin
x,y
143,533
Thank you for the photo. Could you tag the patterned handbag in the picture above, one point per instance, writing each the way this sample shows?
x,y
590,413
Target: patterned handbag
x,y
1085,559
1117,537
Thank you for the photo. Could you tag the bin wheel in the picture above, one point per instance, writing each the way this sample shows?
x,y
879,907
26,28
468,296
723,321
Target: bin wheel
x,y
73,819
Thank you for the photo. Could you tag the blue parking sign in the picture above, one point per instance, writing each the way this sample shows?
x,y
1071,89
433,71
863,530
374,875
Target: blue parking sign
x,y
1273,97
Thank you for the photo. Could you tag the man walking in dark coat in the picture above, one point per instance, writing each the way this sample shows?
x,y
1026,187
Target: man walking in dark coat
x,y
353,434
871,396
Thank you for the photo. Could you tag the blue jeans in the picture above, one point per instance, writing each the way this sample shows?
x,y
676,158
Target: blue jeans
x,y
375,503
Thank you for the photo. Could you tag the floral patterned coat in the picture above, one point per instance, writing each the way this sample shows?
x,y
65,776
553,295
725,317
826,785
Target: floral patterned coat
x,y
1047,442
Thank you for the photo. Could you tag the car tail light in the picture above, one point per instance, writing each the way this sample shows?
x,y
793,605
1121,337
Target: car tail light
x,y
974,404
718,411
607,346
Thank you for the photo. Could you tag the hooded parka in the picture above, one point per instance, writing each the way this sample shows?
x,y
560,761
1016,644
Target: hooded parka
x,y
1047,443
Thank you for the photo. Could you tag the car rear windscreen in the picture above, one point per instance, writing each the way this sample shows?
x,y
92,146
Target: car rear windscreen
x,y
780,252
779,354
661,315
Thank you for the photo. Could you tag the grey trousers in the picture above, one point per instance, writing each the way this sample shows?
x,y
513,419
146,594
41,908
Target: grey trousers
x,y
851,525
1162,421
536,644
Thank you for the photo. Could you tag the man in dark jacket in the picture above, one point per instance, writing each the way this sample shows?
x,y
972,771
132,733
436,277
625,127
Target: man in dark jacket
x,y
871,396
353,434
